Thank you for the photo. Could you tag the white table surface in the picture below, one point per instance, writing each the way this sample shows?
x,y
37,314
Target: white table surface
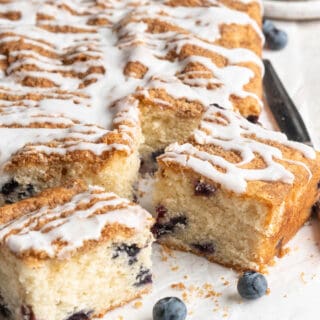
x,y
294,280
298,66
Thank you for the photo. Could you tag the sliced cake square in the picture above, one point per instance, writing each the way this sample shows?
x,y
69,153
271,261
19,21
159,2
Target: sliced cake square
x,y
235,192
72,253
56,119
63,68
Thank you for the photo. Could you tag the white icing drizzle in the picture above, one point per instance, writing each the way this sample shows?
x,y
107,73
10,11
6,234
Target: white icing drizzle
x,y
230,131
82,93
66,223
25,7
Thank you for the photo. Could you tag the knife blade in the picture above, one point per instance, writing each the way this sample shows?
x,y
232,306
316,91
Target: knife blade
x,y
282,107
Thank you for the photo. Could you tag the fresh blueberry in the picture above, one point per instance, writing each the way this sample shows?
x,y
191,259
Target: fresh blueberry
x,y
252,285
170,308
268,25
276,39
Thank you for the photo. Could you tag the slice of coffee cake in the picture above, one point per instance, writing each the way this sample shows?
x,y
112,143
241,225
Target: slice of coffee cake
x,y
72,253
235,192
81,80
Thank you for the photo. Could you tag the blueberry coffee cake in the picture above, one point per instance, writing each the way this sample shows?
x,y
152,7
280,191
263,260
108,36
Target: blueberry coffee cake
x,y
235,192
87,89
72,253
86,84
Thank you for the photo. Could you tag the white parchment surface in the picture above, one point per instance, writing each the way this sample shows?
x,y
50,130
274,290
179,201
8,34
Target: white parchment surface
x,y
294,281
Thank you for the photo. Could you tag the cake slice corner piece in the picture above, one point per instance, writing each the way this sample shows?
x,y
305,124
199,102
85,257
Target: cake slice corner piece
x,y
235,192
72,252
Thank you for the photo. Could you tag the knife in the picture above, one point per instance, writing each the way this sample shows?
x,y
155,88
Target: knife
x,y
282,107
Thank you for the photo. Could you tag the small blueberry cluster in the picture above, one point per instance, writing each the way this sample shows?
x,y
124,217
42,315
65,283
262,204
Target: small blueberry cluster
x,y
170,308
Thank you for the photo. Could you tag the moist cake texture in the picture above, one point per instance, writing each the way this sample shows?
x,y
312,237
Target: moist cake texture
x,y
72,253
86,85
87,88
234,192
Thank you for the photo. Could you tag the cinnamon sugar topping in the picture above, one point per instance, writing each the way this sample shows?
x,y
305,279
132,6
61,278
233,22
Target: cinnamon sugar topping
x,y
65,64
55,231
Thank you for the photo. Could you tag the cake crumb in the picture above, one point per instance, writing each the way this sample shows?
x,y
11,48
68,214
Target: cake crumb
x,y
210,293
185,296
120,318
141,194
225,312
205,291
164,258
178,286
283,252
268,291
207,286
200,293
285,295
166,253
264,269
137,305
175,268
302,274
185,277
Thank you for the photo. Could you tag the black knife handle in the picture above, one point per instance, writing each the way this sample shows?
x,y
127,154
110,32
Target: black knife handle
x,y
282,107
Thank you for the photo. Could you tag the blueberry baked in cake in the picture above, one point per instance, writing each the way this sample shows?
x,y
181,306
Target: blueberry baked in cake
x,y
234,192
72,253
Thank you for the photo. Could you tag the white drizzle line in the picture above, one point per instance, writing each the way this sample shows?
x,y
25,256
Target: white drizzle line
x,y
111,47
235,126
74,228
230,131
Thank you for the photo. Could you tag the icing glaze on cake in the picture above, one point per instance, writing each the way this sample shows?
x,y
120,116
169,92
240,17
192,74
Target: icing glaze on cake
x,y
231,132
58,230
65,64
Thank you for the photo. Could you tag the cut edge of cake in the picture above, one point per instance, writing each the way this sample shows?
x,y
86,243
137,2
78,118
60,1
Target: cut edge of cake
x,y
197,63
73,250
234,192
